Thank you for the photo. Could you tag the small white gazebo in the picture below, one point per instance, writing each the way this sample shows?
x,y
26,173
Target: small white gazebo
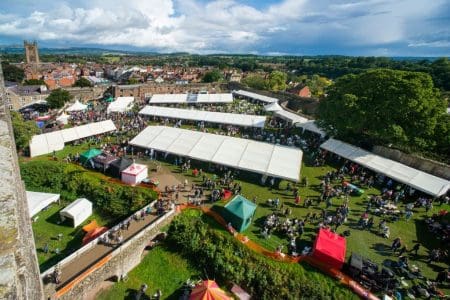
x,y
79,210
134,174
63,119
77,106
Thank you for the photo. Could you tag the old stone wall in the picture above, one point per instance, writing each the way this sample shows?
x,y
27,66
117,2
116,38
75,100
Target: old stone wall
x,y
87,93
19,271
429,166
123,260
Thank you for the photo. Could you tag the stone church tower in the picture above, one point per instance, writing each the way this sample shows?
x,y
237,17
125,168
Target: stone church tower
x,y
31,52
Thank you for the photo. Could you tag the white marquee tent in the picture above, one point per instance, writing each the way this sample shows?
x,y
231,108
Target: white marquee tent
x,y
299,121
79,210
122,104
272,107
419,180
38,201
77,106
263,158
63,119
54,141
255,96
190,98
207,116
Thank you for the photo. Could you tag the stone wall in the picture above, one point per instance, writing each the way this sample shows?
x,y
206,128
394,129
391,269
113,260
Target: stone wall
x,y
429,166
122,261
87,93
19,271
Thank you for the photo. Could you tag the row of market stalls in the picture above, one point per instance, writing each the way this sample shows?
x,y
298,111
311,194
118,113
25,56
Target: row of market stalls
x,y
55,140
118,167
419,180
205,116
120,105
191,98
249,155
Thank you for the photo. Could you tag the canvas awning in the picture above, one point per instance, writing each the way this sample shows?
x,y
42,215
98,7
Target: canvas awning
x,y
417,179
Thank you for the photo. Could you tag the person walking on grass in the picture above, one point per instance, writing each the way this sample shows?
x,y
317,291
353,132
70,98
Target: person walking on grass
x,y
415,248
396,244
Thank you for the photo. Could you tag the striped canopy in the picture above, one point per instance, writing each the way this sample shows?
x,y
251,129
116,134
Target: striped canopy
x,y
208,290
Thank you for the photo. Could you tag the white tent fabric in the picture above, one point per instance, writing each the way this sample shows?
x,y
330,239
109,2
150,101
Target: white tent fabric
x,y
272,107
77,106
79,210
207,116
54,141
419,180
122,104
255,96
263,158
63,119
299,121
190,98
38,201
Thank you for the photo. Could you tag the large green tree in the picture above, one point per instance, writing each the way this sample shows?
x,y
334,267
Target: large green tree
x,y
212,76
255,81
23,130
384,106
82,82
58,98
277,81
12,73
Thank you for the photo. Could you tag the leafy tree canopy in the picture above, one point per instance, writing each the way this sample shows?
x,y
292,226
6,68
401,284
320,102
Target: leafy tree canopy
x,y
277,81
255,81
23,130
12,73
34,82
58,98
386,107
82,82
212,76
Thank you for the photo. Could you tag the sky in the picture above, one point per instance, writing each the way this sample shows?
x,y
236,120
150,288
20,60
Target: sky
x,y
269,27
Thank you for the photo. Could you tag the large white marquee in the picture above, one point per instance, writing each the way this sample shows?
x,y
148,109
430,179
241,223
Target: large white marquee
x,y
54,141
207,116
263,158
190,98
419,180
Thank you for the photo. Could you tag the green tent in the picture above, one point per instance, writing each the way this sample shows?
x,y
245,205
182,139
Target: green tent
x,y
239,212
109,99
91,153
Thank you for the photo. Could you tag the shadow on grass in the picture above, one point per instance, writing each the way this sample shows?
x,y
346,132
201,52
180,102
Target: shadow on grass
x,y
382,249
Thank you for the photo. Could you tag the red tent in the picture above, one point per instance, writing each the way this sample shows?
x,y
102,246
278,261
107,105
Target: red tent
x,y
329,248
91,235
208,290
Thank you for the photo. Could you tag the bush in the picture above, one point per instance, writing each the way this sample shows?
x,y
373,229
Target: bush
x,y
226,259
72,181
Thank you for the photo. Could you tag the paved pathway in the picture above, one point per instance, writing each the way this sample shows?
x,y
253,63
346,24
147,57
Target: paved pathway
x,y
86,259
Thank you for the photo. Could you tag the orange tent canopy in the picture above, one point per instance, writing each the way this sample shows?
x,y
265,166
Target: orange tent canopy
x,y
93,234
91,226
208,290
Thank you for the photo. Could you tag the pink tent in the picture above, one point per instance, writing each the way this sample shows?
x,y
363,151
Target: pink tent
x,y
134,174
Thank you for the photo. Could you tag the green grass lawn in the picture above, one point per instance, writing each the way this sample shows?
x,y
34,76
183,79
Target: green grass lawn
x,y
160,269
369,244
46,230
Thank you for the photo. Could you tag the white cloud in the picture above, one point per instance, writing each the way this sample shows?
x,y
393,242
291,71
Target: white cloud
x,y
230,26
